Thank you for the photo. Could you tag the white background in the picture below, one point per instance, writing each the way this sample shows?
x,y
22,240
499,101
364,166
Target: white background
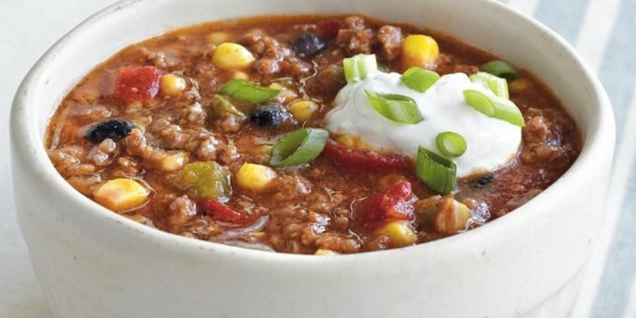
x,y
27,29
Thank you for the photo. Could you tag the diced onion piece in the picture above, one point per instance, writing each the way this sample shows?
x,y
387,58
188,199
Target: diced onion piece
x,y
121,194
255,177
452,216
358,67
451,144
248,92
398,108
480,102
419,79
229,56
299,147
436,171
501,69
174,161
498,85
419,50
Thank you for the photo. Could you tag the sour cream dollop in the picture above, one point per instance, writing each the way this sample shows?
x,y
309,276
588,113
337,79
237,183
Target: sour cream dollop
x,y
491,142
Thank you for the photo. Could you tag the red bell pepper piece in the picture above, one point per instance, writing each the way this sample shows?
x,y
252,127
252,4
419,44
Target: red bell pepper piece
x,y
137,83
221,212
394,203
366,160
328,28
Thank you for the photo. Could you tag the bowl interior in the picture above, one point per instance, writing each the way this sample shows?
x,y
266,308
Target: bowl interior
x,y
484,24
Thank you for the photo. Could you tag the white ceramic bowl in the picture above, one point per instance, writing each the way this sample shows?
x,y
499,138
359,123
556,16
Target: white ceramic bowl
x,y
93,263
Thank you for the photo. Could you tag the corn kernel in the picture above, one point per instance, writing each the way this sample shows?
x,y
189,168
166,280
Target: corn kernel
x,y
354,142
240,75
230,56
255,177
263,150
419,50
303,110
276,86
400,233
174,161
173,85
121,194
325,252
452,216
519,85
218,37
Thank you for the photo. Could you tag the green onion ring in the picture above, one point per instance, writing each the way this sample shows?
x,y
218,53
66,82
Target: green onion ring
x,y
248,92
451,144
437,172
501,69
419,79
498,85
480,102
357,68
398,108
298,147
494,106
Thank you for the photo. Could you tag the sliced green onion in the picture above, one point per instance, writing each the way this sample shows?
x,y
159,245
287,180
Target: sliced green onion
x,y
508,111
501,69
358,67
298,147
494,106
479,101
436,171
398,108
451,144
419,79
498,85
248,92
222,105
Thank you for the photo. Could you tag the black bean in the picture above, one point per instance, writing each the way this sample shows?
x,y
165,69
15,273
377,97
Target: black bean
x,y
270,115
484,181
115,129
308,44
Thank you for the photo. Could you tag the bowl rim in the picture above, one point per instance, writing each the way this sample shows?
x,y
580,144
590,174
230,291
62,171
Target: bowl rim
x,y
27,146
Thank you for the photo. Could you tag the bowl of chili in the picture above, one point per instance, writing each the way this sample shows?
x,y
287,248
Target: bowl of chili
x,y
93,262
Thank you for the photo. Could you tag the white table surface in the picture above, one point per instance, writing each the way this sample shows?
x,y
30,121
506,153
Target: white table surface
x,y
602,31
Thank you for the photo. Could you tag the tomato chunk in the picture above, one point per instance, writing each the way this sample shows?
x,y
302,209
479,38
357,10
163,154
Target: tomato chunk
x,y
328,28
394,203
221,212
366,160
135,83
